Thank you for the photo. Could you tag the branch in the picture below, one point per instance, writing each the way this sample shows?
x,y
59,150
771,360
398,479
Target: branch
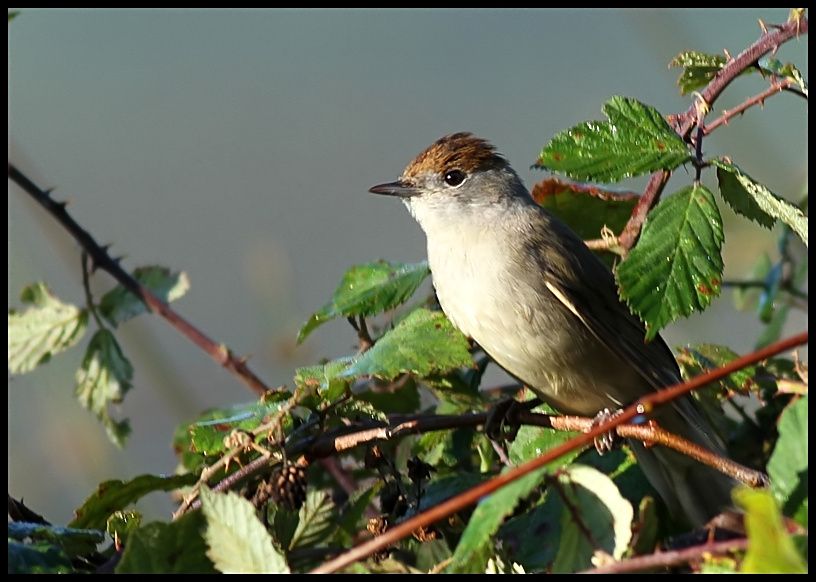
x,y
758,99
671,557
647,200
466,498
102,260
768,42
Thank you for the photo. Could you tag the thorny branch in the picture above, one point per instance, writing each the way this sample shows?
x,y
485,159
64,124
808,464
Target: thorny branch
x,y
102,260
768,42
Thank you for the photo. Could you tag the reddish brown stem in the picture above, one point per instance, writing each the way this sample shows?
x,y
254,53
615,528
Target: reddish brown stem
x,y
471,496
648,199
670,558
758,99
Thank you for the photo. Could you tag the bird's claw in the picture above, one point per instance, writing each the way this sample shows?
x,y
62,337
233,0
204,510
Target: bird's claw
x,y
606,441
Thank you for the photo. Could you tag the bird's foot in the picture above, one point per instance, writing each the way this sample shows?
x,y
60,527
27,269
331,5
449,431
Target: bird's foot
x,y
605,442
501,423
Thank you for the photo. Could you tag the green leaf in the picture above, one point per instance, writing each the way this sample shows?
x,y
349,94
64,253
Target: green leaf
x,y
532,536
206,435
475,545
770,549
122,523
598,518
676,267
351,520
788,465
423,343
317,520
636,140
72,541
45,329
238,542
102,379
13,14
37,558
323,378
753,200
118,305
367,290
403,399
168,548
698,69
586,209
114,495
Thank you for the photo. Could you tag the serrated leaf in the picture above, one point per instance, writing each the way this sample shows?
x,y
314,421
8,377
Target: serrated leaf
x,y
45,329
753,200
788,465
676,267
474,546
37,558
698,69
585,208
423,343
770,548
636,140
605,519
114,495
72,541
102,379
238,542
168,548
118,305
316,520
367,290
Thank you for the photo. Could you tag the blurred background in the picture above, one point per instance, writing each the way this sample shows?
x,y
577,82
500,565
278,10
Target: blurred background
x,y
238,146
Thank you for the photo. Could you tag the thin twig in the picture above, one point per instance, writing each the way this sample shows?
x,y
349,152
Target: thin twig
x,y
102,260
472,495
766,43
660,560
758,99
86,286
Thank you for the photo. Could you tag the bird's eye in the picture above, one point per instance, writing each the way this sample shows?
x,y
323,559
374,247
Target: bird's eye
x,y
454,177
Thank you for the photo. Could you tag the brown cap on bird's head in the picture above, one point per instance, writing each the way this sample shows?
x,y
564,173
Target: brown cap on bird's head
x,y
461,151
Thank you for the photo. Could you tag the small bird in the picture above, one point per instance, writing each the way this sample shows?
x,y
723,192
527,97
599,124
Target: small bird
x,y
528,290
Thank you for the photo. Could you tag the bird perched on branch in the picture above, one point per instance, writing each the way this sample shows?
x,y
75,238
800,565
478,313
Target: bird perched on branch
x,y
527,289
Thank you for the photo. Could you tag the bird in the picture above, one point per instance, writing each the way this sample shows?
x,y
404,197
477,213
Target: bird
x,y
526,288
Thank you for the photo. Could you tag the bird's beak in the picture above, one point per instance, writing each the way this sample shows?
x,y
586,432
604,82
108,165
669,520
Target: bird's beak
x,y
398,188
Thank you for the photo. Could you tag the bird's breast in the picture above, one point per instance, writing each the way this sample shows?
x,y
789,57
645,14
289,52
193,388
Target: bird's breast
x,y
487,294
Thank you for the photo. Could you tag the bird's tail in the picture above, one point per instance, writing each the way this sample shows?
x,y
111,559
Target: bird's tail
x,y
692,491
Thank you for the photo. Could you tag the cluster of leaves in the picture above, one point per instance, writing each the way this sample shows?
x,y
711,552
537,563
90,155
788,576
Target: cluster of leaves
x,y
579,511
48,327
